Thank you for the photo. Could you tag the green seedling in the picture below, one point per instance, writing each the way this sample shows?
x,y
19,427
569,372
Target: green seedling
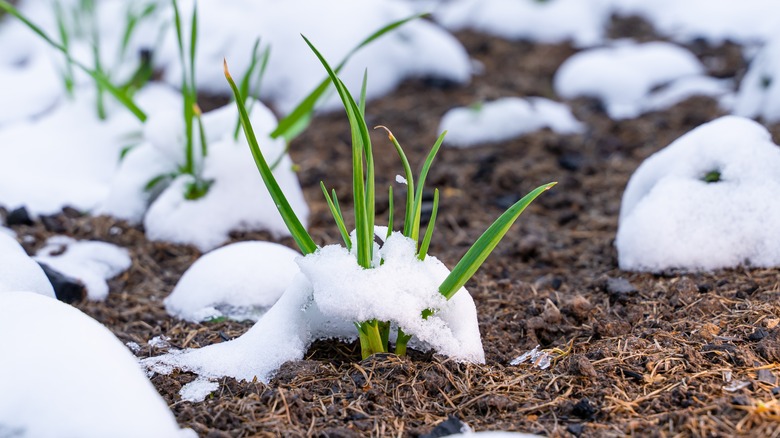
x,y
374,335
712,176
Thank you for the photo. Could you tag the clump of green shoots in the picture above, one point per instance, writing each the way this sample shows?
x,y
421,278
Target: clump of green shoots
x,y
374,335
80,23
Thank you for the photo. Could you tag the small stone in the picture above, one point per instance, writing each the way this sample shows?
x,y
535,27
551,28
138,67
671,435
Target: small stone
x,y
581,366
758,335
67,289
576,429
451,426
580,307
19,216
583,409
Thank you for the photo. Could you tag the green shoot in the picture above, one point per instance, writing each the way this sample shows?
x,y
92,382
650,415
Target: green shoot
x,y
426,243
374,334
337,216
482,248
297,230
259,59
100,77
390,212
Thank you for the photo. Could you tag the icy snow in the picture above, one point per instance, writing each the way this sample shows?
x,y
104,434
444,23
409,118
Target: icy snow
x,y
239,281
625,75
323,301
197,390
64,374
91,262
759,91
505,119
671,218
553,21
18,272
418,49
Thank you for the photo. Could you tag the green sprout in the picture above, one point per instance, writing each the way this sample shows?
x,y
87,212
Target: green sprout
x,y
712,176
374,334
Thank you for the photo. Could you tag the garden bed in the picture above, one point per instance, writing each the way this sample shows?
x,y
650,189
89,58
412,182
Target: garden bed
x,y
653,354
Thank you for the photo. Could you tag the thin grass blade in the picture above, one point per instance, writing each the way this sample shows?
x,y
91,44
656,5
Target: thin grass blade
x,y
409,182
426,242
297,230
415,232
390,212
482,248
337,217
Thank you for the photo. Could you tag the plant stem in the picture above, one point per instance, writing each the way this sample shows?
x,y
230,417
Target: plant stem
x,y
401,341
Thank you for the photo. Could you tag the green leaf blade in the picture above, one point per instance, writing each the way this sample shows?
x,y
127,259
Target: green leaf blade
x,y
482,248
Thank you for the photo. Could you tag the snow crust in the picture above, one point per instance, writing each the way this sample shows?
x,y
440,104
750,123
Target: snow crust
x,y
91,262
239,281
671,218
197,390
236,201
625,75
419,48
325,299
579,21
506,118
64,374
18,272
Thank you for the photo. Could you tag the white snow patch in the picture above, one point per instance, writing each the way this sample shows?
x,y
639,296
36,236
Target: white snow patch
x,y
625,76
91,262
759,91
68,157
197,390
505,119
401,180
553,21
239,281
72,372
160,341
323,301
671,218
419,48
133,346
18,272
744,22
496,434
537,358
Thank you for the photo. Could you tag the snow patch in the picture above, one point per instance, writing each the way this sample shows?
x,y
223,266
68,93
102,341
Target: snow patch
x,y
18,272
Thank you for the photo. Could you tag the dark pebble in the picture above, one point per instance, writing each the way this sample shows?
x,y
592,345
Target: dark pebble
x,y
19,216
451,426
576,429
67,289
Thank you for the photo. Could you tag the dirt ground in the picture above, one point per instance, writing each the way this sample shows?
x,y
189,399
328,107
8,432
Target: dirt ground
x,y
664,354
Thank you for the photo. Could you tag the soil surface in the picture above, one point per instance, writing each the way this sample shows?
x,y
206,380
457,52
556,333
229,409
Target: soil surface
x,y
663,354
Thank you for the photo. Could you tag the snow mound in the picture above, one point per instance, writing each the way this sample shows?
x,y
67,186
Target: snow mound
x,y
553,21
418,49
237,200
18,272
759,91
239,281
325,299
505,119
68,157
67,369
91,262
627,76
671,217
716,21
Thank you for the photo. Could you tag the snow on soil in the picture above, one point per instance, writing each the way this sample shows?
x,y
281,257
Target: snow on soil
x,y
627,75
239,281
69,156
671,218
579,21
323,301
418,49
18,272
197,390
91,262
505,119
64,374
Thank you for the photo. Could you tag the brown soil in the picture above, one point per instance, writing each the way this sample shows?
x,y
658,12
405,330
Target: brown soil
x,y
655,354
